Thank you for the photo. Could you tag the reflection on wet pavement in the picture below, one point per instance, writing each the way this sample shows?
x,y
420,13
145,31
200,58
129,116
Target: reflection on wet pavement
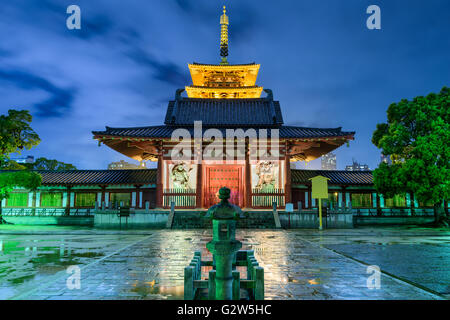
x,y
26,259
298,264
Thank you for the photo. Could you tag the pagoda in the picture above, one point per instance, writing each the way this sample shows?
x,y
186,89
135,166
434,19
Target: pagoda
x,y
222,99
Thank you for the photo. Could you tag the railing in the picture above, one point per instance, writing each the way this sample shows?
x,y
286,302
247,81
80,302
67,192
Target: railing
x,y
47,212
393,212
264,200
183,198
374,212
213,196
82,212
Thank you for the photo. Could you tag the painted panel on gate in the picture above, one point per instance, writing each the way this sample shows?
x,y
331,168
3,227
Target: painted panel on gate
x,y
182,176
266,176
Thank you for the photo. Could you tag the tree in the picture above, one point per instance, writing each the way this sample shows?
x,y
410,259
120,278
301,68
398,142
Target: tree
x,y
48,164
16,134
417,136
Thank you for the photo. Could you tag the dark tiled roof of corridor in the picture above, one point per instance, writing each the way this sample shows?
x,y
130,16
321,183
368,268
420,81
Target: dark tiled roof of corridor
x,y
91,177
148,176
335,176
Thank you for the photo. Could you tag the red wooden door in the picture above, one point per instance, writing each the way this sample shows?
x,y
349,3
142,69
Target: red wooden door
x,y
224,176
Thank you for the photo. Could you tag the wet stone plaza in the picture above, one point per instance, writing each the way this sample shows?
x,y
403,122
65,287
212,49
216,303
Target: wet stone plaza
x,y
298,264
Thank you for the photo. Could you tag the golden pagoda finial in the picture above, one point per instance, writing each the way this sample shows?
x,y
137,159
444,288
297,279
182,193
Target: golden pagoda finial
x,y
224,36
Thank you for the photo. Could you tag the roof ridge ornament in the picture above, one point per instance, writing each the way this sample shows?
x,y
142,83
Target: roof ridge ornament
x,y
178,97
269,94
178,93
224,37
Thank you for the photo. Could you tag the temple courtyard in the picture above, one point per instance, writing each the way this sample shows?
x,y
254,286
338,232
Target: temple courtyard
x,y
298,264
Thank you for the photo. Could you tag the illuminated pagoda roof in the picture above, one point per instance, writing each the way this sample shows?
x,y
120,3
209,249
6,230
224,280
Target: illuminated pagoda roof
x,y
224,81
223,96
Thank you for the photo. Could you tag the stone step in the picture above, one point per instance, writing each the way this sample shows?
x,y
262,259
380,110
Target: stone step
x,y
195,220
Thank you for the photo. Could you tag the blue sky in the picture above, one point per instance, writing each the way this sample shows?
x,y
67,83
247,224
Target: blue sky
x,y
322,63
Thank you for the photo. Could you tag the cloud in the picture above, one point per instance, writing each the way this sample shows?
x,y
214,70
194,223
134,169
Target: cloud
x,y
93,27
243,18
55,14
243,24
125,63
60,101
186,5
165,71
5,53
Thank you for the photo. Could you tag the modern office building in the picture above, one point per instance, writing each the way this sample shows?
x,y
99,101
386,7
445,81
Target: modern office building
x,y
328,161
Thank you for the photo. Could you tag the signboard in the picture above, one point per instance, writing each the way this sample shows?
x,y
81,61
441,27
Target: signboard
x,y
289,207
319,191
319,187
124,212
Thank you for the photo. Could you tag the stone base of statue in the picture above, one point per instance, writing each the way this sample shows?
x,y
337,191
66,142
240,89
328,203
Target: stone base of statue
x,y
224,282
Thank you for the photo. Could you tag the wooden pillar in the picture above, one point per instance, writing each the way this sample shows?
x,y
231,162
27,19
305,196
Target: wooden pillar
x,y
411,203
102,199
69,188
446,207
137,190
288,181
378,205
248,179
344,195
199,188
159,181
309,205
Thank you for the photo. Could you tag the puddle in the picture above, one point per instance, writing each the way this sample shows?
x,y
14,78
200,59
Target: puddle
x,y
30,260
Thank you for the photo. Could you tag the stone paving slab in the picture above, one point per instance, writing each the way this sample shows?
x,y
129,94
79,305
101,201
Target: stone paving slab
x,y
149,265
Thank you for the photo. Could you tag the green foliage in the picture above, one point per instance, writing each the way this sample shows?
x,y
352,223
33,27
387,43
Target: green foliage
x,y
11,165
417,136
16,132
24,179
15,135
48,164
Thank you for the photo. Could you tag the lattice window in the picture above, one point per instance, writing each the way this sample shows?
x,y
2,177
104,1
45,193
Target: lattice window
x,y
361,200
85,199
51,199
396,201
121,199
17,200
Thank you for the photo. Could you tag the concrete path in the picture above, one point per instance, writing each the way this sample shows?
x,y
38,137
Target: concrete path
x,y
299,264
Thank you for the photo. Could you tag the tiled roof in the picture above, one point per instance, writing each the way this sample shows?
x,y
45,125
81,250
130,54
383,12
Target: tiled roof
x,y
148,176
166,131
90,177
220,112
335,176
